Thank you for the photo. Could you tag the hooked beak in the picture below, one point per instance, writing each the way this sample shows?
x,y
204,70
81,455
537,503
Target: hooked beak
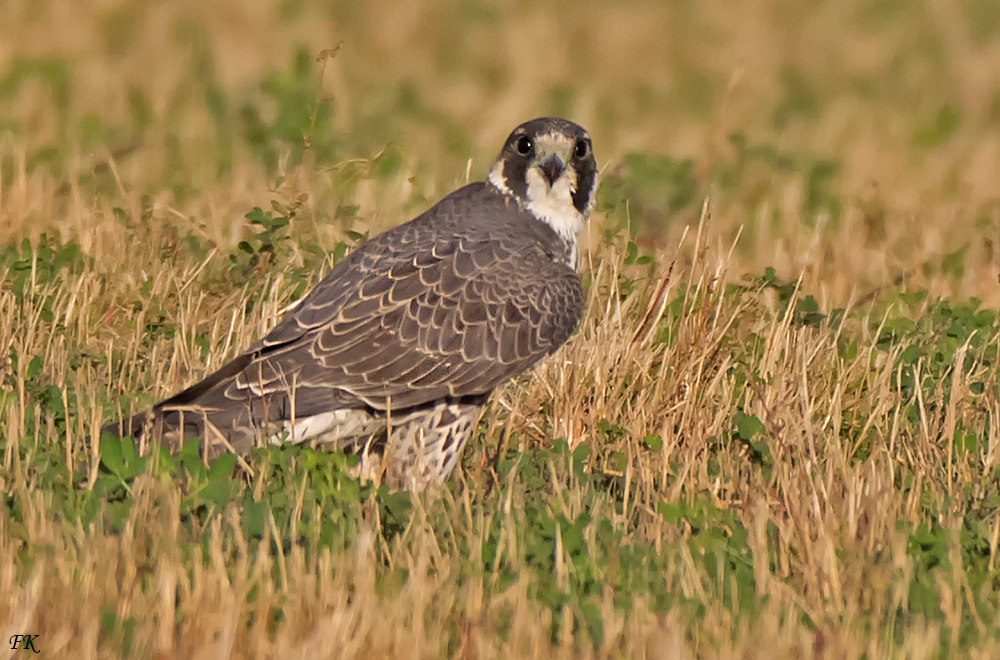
x,y
552,169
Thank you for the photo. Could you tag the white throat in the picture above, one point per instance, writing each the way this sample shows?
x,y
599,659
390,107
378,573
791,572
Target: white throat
x,y
552,205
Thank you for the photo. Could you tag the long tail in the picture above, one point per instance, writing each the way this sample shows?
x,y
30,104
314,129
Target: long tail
x,y
183,416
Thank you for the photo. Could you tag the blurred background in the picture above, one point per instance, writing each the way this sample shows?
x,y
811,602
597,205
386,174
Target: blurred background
x,y
740,477
856,140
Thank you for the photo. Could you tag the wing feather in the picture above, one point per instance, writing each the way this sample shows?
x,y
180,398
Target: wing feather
x,y
411,317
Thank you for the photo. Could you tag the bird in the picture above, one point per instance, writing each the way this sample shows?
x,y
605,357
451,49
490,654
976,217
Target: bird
x,y
396,351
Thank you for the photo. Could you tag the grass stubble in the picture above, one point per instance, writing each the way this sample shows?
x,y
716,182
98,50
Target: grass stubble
x,y
704,401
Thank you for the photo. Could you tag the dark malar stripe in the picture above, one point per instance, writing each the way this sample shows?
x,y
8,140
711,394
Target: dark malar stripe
x,y
515,176
585,175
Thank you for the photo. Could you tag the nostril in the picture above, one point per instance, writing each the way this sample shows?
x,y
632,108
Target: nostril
x,y
552,169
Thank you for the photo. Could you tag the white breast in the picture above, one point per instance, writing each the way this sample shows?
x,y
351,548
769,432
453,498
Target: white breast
x,y
554,206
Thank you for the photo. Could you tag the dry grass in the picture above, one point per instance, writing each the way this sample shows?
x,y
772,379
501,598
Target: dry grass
x,y
753,482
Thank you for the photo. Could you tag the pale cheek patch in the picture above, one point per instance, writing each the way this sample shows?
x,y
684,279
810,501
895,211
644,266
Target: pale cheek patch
x,y
496,178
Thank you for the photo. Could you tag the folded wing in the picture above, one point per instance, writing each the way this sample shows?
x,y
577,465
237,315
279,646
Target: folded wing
x,y
403,325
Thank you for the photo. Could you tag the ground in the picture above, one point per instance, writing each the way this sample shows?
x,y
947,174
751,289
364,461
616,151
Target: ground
x,y
774,435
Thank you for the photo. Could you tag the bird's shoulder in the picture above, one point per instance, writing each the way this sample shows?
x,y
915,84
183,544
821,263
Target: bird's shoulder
x,y
476,232
474,212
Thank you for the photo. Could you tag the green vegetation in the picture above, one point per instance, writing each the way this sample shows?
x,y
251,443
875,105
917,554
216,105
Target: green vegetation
x,y
774,434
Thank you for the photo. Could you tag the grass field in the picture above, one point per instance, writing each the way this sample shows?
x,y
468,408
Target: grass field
x,y
775,435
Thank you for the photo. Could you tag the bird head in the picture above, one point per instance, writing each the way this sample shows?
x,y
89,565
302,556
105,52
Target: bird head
x,y
548,166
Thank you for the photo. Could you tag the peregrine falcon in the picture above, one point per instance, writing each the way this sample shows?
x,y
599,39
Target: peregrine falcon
x,y
399,347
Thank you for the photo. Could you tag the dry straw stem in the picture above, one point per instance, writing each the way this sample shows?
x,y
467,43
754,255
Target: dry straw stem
x,y
837,516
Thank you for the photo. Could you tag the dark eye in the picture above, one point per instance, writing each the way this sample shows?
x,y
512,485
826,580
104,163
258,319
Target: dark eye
x,y
581,149
524,145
